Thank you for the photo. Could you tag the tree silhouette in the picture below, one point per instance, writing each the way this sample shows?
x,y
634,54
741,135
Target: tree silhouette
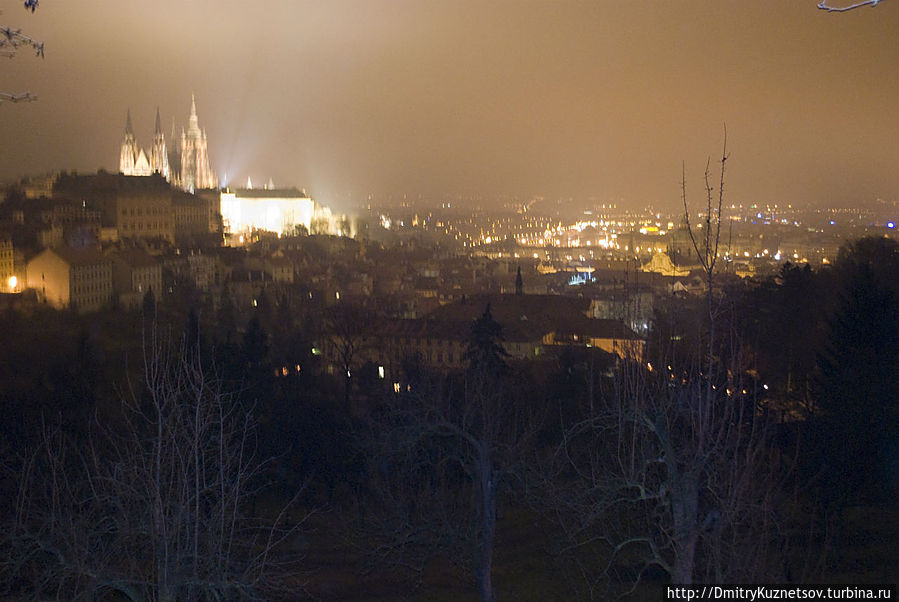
x,y
858,382
672,468
787,346
485,351
441,458
150,509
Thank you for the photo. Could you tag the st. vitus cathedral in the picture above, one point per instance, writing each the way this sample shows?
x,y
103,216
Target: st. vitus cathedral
x,y
188,169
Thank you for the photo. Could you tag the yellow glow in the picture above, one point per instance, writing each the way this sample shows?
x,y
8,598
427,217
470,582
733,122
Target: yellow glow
x,y
13,282
274,214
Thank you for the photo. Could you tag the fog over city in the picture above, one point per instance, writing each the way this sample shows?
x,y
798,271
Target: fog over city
x,y
560,99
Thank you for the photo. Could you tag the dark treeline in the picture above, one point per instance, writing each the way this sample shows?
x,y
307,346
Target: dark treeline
x,y
733,450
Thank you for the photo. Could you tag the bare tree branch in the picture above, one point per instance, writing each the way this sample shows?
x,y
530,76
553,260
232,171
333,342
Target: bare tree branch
x,y
23,97
841,9
154,507
10,41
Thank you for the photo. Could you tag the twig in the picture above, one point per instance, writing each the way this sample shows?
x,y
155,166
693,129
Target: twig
x,y
841,9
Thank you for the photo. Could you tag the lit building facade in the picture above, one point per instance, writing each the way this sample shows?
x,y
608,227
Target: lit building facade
x,y
8,276
272,210
69,278
133,160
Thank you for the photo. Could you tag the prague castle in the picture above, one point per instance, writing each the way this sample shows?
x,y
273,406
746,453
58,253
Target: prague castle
x,y
242,211
188,169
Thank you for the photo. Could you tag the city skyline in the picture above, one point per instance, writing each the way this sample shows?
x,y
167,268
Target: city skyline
x,y
602,100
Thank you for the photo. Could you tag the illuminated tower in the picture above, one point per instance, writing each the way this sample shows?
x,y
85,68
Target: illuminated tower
x,y
129,149
189,170
132,160
195,170
159,159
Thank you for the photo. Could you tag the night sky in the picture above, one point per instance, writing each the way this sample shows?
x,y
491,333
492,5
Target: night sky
x,y
601,99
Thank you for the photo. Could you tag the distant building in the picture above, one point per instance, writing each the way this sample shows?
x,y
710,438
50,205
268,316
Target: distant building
x,y
199,270
146,209
534,326
533,322
661,263
135,272
189,169
137,208
145,214
68,278
273,210
196,219
8,277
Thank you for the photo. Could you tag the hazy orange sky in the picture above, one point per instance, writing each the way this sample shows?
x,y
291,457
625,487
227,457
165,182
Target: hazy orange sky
x,y
599,99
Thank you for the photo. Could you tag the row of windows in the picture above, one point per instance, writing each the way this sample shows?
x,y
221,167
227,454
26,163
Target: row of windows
x,y
91,273
89,288
89,301
150,211
427,342
401,351
140,226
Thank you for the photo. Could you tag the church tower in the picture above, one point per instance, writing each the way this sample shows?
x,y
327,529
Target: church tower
x,y
159,158
132,160
188,169
129,152
195,170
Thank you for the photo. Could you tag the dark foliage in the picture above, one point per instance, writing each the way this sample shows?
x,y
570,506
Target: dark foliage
x,y
485,351
857,388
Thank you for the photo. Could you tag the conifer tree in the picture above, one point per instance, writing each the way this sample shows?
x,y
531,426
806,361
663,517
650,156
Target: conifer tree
x,y
485,351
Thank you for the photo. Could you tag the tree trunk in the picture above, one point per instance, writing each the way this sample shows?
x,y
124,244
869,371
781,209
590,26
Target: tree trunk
x,y
487,502
684,506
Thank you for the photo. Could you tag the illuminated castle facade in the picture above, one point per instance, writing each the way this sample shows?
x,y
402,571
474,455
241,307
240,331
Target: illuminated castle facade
x,y
188,169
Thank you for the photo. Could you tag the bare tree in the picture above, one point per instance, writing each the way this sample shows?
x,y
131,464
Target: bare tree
x,y
674,468
153,508
445,455
11,40
347,331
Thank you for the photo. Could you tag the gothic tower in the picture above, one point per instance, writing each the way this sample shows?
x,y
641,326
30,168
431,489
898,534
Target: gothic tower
x,y
195,170
129,149
132,160
159,158
188,170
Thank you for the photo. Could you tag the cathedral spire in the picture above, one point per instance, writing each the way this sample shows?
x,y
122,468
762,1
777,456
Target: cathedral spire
x,y
129,151
159,155
193,126
195,170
